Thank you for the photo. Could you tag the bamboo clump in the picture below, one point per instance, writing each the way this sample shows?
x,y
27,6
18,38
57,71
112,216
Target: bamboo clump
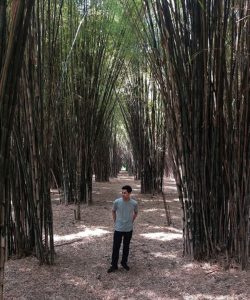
x,y
200,55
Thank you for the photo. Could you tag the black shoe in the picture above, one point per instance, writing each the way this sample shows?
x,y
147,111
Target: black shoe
x,y
125,266
112,269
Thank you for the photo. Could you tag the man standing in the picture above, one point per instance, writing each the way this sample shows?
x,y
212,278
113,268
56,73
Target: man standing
x,y
124,212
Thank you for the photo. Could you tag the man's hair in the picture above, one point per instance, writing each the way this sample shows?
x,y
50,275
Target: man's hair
x,y
128,188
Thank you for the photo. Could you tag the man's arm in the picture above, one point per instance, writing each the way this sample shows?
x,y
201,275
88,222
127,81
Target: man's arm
x,y
135,215
114,215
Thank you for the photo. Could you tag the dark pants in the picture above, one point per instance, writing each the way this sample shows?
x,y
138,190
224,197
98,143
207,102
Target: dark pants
x,y
118,235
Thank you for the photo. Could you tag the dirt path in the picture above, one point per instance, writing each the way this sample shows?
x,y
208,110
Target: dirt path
x,y
158,270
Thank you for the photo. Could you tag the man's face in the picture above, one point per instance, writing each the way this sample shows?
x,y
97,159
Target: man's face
x,y
125,195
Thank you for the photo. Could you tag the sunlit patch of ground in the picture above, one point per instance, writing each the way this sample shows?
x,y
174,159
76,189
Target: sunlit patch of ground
x,y
82,234
162,236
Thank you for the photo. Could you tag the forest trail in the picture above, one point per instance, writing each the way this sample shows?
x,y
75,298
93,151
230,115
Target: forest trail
x,y
158,270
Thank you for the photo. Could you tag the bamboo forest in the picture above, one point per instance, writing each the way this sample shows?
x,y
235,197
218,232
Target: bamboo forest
x,y
101,97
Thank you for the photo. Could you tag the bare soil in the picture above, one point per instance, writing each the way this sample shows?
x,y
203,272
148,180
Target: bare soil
x,y
158,268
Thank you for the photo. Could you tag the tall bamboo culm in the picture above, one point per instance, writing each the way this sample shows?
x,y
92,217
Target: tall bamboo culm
x,y
12,50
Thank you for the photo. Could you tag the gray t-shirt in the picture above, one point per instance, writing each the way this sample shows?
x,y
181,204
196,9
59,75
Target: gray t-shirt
x,y
124,214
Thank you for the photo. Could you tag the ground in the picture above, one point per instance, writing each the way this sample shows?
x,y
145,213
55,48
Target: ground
x,y
158,268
